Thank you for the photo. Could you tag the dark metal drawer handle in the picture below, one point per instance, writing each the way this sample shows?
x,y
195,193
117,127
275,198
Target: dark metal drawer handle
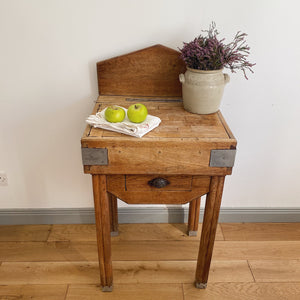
x,y
159,182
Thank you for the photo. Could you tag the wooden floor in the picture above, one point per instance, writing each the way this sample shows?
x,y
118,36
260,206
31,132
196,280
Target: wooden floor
x,y
150,261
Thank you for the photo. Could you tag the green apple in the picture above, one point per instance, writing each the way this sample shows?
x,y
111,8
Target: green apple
x,y
114,114
137,113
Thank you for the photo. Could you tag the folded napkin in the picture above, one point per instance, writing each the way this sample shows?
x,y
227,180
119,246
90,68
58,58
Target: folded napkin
x,y
126,127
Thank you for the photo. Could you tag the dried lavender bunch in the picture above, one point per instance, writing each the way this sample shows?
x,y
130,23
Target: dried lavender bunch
x,y
209,53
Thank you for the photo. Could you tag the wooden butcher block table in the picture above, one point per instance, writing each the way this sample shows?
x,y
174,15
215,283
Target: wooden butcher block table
x,y
184,158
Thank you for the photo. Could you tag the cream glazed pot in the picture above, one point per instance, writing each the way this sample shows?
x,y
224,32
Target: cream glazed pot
x,y
202,91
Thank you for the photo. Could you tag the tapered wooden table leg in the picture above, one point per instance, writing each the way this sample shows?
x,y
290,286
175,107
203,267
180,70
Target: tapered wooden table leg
x,y
113,209
209,227
194,210
102,217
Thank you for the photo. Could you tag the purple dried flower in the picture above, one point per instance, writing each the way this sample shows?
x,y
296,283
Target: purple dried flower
x,y
209,53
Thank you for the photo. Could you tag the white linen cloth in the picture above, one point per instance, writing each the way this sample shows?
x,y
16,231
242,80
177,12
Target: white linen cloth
x,y
134,129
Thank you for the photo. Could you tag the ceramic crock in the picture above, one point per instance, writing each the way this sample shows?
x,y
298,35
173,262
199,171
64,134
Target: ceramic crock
x,y
202,91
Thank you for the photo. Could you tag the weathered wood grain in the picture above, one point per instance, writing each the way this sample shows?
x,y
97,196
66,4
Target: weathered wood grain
x,y
113,212
88,129
226,127
132,157
194,212
139,191
102,217
180,145
141,183
151,71
173,119
209,227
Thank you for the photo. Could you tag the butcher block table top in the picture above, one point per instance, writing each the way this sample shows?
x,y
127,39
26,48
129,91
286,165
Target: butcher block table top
x,y
181,144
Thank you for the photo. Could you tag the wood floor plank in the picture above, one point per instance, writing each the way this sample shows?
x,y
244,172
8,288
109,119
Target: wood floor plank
x,y
179,271
155,250
48,251
150,262
127,292
244,291
161,231
127,232
19,233
73,232
125,272
256,250
178,250
87,251
261,231
276,270
49,273
42,292
148,250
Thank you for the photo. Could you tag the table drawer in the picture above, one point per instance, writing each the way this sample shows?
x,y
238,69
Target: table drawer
x,y
162,183
155,189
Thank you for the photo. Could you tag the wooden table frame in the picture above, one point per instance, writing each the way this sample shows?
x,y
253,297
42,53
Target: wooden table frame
x,y
106,222
212,147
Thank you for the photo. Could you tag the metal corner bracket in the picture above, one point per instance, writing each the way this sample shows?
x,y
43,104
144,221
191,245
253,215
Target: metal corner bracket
x,y
94,156
222,158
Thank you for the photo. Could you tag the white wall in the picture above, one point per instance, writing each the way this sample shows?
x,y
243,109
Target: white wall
x,y
48,52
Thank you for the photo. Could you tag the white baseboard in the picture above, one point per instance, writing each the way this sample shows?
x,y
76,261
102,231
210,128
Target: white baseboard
x,y
144,215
